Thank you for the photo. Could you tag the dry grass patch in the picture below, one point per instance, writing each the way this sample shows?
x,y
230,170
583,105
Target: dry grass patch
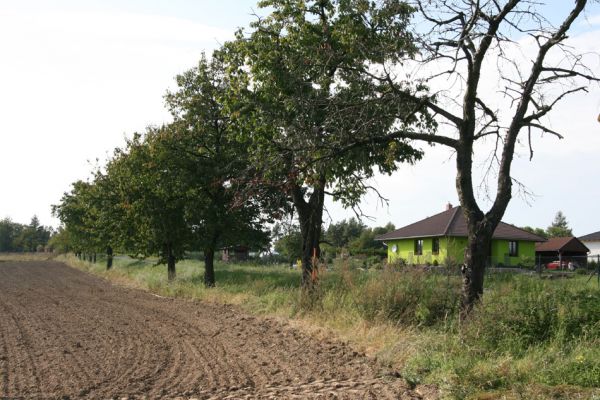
x,y
4,257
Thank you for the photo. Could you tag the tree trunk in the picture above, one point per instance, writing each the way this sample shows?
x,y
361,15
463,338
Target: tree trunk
x,y
310,216
170,264
94,257
109,258
480,230
209,260
311,250
209,267
477,255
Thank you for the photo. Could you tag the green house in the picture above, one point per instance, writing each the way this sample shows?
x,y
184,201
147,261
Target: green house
x,y
442,239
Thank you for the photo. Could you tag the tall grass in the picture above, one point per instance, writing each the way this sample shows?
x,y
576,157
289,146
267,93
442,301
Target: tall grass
x,y
529,312
528,338
528,335
408,297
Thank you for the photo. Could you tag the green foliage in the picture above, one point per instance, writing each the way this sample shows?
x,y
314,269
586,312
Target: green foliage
x,y
308,96
525,312
172,188
15,237
409,297
366,244
359,239
285,114
349,234
9,231
340,234
536,231
295,91
526,333
288,242
61,242
559,227
303,98
152,194
79,211
213,158
527,262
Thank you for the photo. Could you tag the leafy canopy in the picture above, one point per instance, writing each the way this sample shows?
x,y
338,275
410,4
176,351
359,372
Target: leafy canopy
x,y
301,93
559,227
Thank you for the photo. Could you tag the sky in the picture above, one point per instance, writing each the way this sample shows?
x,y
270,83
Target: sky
x,y
77,77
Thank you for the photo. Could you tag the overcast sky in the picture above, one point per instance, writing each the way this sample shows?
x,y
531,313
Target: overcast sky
x,y
76,77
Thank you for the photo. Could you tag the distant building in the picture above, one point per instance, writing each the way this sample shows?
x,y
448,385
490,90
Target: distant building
x,y
564,249
442,238
235,253
592,241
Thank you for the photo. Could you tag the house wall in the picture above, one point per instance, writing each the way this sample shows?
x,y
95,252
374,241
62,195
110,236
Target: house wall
x,y
406,248
526,253
452,249
456,249
594,248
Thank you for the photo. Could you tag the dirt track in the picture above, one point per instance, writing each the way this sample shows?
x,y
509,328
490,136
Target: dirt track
x,y
66,334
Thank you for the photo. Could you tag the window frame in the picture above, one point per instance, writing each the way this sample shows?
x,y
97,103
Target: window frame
x,y
418,247
513,248
435,246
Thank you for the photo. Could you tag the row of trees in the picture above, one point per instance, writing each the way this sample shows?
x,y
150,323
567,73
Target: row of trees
x,y
256,134
173,188
15,237
315,98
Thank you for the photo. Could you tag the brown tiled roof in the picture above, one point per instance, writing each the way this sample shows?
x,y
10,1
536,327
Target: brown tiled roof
x,y
562,244
591,237
453,223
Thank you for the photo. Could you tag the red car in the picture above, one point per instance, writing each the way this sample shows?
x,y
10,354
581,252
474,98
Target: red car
x,y
562,265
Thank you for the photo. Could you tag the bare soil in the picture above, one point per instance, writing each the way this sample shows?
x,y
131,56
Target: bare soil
x,y
65,334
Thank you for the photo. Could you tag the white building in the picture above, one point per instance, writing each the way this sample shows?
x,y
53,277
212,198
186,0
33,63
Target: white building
x,y
592,241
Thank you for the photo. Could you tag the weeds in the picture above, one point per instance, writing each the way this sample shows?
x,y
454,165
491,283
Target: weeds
x,y
529,312
408,297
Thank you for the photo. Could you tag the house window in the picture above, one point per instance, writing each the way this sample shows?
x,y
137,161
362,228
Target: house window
x,y
513,248
435,246
419,247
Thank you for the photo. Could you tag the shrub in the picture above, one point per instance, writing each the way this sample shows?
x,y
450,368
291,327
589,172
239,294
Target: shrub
x,y
398,263
524,311
527,262
409,296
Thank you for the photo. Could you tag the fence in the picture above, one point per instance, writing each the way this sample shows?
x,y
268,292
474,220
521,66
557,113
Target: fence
x,y
506,263
567,262
427,259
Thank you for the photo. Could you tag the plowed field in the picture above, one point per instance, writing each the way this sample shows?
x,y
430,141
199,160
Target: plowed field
x,y
66,334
